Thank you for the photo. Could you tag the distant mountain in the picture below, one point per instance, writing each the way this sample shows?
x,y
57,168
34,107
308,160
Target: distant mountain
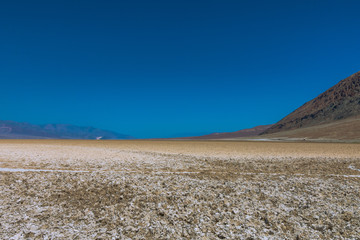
x,y
250,132
340,102
19,130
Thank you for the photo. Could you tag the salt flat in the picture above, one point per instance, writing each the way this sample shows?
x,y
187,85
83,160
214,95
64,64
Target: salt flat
x,y
73,189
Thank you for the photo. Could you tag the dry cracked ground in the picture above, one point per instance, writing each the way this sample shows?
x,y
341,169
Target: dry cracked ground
x,y
53,189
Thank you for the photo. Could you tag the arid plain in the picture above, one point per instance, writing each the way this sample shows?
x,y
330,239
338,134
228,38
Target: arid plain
x,y
77,189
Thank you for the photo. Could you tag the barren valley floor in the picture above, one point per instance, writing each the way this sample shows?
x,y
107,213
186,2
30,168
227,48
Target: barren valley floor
x,y
74,189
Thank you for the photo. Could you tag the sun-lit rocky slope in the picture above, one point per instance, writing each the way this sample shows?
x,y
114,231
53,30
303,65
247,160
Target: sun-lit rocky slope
x,y
340,102
346,130
73,189
19,130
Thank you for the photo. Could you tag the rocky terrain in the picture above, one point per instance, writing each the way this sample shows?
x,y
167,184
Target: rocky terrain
x,y
339,102
345,130
18,130
67,189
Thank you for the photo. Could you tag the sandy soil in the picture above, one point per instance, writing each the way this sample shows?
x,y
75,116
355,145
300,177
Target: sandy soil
x,y
53,189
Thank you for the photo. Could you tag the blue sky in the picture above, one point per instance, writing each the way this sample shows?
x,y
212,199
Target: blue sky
x,y
171,68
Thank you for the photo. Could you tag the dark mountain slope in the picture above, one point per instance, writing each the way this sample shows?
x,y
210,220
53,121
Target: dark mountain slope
x,y
339,102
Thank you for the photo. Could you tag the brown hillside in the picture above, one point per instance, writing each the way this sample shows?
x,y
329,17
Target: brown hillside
x,y
339,102
345,129
250,132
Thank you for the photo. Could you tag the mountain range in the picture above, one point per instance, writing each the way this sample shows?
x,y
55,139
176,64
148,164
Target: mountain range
x,y
19,130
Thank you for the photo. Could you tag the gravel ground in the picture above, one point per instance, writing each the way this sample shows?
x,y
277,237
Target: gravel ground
x,y
178,190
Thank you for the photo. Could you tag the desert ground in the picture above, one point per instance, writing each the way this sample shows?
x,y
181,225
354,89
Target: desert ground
x,y
74,189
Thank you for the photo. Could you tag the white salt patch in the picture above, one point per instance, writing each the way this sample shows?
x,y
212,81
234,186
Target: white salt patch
x,y
17,236
35,170
353,168
259,139
334,175
157,172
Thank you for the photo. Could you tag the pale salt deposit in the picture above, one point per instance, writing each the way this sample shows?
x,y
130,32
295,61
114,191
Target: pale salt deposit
x,y
353,168
35,170
178,190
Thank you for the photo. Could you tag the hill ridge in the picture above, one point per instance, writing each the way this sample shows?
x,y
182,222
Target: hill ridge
x,y
338,102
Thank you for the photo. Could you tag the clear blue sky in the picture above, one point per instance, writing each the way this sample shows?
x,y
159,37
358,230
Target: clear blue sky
x,y
171,68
